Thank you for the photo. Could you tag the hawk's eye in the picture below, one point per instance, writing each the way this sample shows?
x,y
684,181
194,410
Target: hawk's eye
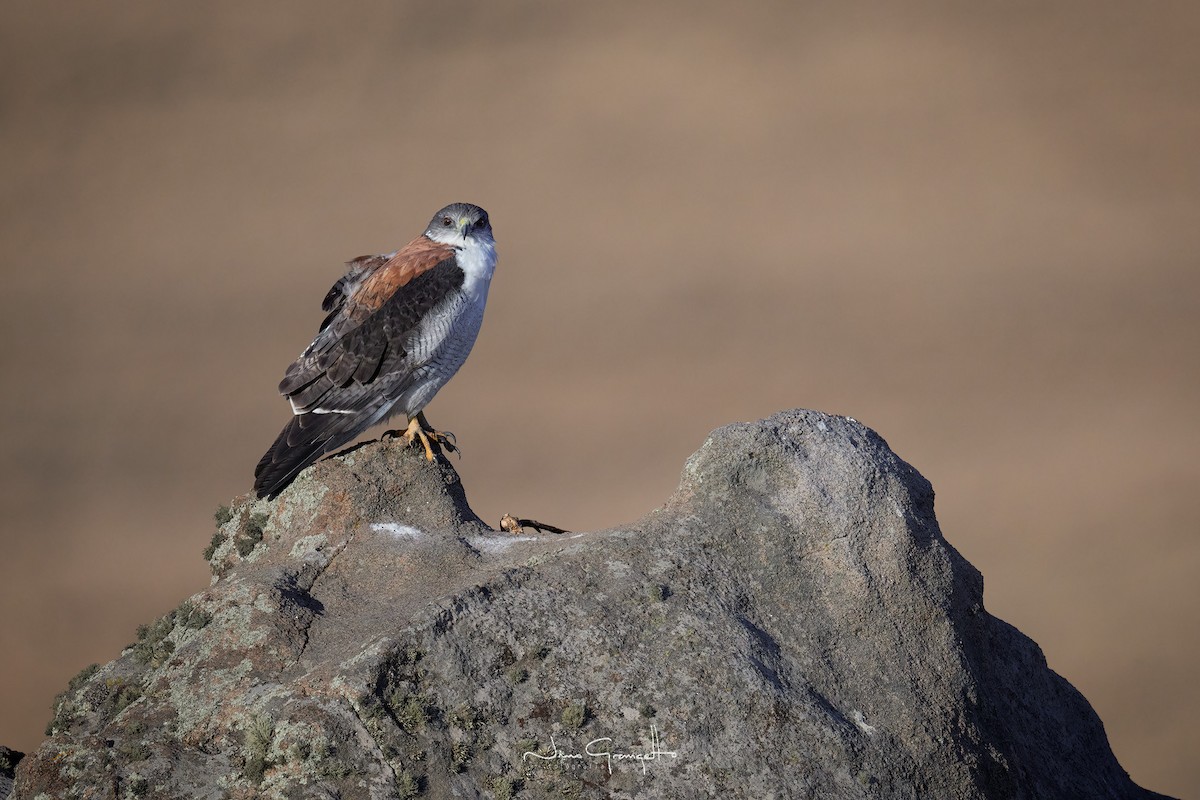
x,y
447,222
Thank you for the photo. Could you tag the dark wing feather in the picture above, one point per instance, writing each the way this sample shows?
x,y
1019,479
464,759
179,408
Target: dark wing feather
x,y
303,440
345,343
363,338
310,396
357,271
356,346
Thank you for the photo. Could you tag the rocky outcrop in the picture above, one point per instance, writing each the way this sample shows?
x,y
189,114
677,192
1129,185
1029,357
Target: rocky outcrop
x,y
791,623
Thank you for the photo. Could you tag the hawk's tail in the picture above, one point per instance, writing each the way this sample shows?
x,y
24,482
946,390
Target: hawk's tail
x,y
302,441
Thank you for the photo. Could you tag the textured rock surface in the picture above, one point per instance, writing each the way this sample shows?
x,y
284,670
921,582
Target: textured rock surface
x,y
8,763
791,623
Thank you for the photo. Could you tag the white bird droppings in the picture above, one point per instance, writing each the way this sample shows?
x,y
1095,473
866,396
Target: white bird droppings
x,y
861,722
398,530
497,544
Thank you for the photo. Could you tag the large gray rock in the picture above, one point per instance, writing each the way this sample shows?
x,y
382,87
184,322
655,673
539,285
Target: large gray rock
x,y
790,623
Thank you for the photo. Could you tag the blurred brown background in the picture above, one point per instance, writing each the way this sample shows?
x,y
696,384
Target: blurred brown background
x,y
974,227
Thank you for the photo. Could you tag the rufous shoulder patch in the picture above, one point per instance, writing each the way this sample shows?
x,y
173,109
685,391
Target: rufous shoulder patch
x,y
420,255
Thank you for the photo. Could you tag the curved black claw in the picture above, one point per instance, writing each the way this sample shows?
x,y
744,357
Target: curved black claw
x,y
447,441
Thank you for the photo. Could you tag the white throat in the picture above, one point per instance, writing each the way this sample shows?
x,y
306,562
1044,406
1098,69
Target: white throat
x,y
477,259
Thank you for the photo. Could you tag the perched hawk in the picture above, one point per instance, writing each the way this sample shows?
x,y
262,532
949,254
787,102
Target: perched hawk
x,y
398,327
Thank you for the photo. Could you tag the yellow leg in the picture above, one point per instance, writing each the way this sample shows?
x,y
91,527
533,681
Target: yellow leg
x,y
414,431
419,428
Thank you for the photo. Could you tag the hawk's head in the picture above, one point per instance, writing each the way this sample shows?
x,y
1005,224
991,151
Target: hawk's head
x,y
457,223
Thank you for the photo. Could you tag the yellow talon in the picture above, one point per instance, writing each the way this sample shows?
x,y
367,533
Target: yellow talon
x,y
419,428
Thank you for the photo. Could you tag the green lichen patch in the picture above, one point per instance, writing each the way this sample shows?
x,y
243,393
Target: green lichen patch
x,y
214,544
256,743
138,786
189,615
408,785
570,789
575,715
302,750
460,756
121,694
83,698
412,711
255,525
250,533
408,656
152,647
64,705
134,750
506,787
222,516
82,677
400,685
465,717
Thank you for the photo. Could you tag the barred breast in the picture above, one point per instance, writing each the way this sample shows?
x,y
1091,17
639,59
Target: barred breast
x,y
441,348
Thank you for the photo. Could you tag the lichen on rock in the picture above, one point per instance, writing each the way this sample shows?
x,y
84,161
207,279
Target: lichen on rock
x,y
790,623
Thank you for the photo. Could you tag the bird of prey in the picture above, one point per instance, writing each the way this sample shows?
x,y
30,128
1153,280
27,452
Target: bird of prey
x,y
398,327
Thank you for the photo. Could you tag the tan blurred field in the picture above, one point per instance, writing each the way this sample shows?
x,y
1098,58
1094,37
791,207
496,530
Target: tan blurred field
x,y
974,227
